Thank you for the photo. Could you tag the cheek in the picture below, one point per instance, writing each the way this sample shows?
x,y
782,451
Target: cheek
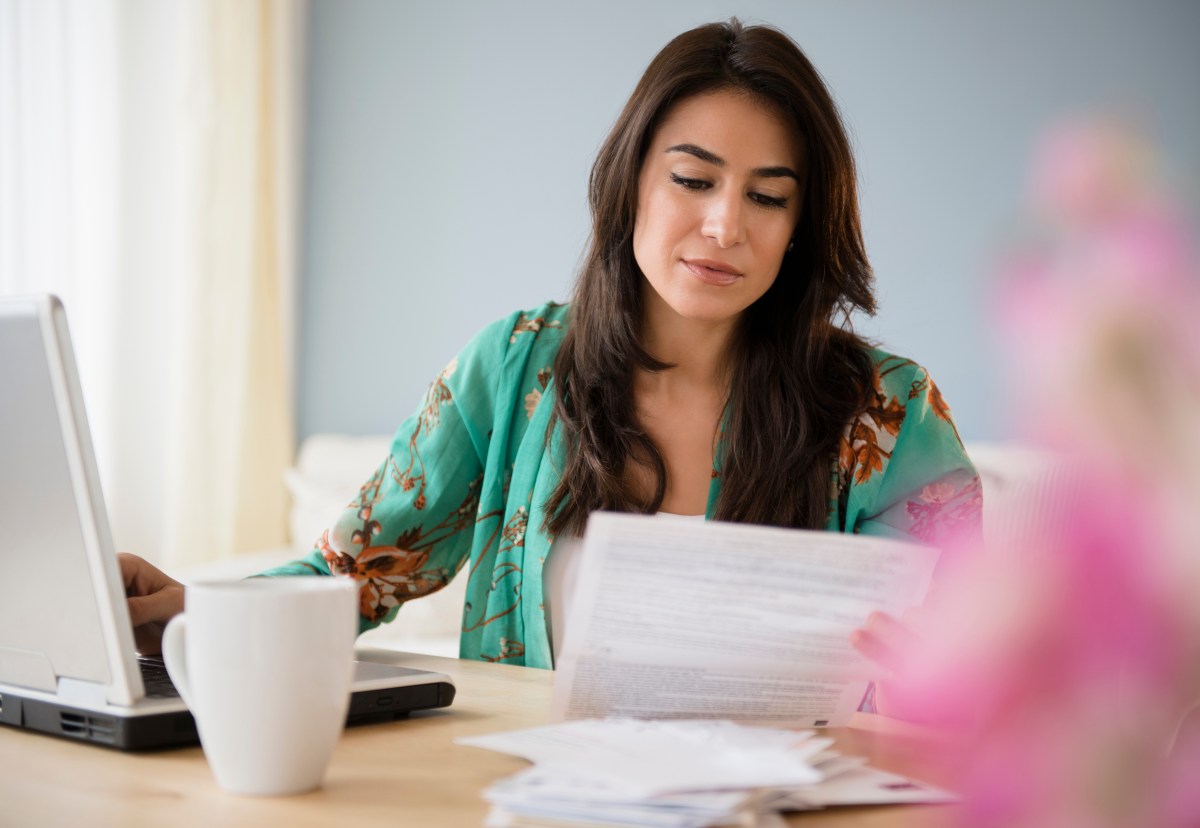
x,y
639,226
646,231
639,236
782,232
659,226
639,251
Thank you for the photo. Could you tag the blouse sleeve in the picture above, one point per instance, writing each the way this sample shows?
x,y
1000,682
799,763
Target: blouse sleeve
x,y
907,473
410,527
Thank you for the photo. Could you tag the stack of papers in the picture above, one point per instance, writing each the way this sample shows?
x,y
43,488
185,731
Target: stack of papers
x,y
679,774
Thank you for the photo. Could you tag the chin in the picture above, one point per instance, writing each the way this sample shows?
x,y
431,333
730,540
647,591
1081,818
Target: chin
x,y
697,303
707,310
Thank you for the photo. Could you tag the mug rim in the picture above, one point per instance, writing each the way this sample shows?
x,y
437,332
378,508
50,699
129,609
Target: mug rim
x,y
274,585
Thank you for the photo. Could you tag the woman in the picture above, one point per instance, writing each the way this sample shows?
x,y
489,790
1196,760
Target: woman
x,y
700,370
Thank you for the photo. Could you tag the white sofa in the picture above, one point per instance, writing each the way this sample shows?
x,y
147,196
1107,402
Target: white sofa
x,y
330,468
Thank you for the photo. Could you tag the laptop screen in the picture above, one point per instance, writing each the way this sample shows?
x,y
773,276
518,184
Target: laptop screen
x,y
50,623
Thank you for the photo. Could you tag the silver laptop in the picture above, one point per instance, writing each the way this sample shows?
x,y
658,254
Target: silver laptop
x,y
67,660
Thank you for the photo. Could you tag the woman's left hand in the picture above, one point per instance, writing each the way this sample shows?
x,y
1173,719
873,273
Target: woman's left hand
x,y
890,642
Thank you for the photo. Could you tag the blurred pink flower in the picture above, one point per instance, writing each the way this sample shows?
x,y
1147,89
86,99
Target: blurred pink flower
x,y
1066,665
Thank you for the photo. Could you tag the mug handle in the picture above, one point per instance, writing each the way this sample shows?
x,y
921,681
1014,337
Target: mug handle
x,y
174,658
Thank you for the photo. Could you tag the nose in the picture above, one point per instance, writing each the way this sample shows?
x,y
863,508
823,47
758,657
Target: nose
x,y
725,221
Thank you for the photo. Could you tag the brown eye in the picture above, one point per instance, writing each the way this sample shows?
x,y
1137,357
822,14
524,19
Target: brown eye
x,y
690,183
773,202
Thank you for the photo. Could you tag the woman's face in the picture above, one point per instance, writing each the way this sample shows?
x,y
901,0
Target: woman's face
x,y
718,200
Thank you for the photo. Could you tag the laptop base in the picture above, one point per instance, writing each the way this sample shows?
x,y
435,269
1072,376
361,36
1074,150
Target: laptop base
x,y
176,729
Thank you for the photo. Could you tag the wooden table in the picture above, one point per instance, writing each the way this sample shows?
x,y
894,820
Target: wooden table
x,y
405,773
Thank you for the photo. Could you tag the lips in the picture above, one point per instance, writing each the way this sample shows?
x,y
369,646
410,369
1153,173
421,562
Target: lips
x,y
712,272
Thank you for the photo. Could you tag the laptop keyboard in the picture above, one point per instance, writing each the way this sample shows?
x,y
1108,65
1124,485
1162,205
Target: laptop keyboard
x,y
155,679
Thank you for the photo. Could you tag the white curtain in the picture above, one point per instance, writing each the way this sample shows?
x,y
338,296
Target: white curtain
x,y
148,169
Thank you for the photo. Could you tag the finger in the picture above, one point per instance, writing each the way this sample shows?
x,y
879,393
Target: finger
x,y
885,641
130,567
873,648
141,577
148,639
892,633
160,606
917,619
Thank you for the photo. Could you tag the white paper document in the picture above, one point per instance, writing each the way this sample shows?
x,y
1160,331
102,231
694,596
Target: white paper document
x,y
644,759
682,619
679,774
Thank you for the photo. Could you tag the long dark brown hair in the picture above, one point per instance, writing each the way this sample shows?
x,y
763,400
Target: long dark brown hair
x,y
798,374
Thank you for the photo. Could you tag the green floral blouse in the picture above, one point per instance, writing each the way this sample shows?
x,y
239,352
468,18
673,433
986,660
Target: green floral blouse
x,y
462,488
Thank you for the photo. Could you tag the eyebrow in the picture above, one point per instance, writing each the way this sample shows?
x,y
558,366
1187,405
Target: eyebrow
x,y
718,161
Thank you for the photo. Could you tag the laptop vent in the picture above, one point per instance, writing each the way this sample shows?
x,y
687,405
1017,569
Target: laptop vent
x,y
93,728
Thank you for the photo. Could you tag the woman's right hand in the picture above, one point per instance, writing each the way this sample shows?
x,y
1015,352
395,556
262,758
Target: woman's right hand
x,y
153,598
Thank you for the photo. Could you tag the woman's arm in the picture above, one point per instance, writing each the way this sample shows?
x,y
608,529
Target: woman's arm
x,y
410,527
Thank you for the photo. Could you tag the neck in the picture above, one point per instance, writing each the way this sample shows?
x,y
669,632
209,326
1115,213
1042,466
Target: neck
x,y
699,349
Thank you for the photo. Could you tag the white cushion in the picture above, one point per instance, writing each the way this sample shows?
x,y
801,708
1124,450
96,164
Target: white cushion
x,y
329,470
1022,487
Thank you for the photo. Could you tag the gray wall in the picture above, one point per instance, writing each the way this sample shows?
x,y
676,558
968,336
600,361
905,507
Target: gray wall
x,y
448,146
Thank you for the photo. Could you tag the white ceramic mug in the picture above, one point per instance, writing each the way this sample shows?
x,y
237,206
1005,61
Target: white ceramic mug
x,y
265,666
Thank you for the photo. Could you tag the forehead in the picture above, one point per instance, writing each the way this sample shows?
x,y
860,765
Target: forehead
x,y
736,126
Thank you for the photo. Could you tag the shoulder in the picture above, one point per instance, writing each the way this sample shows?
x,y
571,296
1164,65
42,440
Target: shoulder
x,y
901,383
902,466
500,355
542,326
903,406
897,376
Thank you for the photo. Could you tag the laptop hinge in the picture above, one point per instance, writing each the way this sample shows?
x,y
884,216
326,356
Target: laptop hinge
x,y
82,693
